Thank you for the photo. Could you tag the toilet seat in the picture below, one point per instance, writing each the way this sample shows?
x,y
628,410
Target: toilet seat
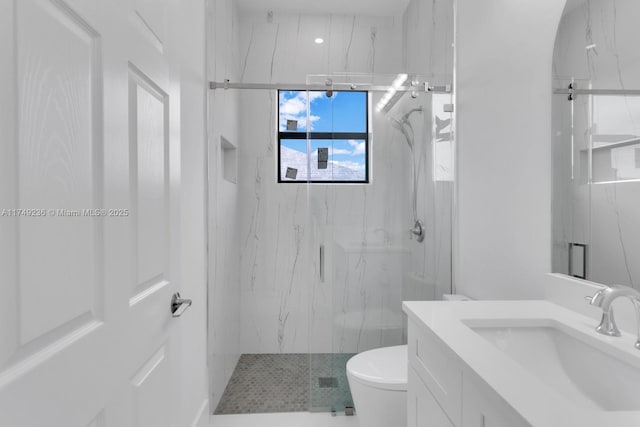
x,y
384,368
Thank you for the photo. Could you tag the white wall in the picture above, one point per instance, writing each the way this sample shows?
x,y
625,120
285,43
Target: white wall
x,y
224,252
194,402
503,103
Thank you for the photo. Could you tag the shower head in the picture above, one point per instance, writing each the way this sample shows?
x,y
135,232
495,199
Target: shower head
x,y
404,120
409,113
404,125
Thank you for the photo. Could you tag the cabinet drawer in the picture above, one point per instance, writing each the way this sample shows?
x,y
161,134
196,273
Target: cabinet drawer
x,y
423,410
437,367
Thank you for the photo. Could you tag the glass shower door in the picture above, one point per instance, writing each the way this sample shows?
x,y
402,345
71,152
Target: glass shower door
x,y
338,151
571,191
615,177
596,181
367,261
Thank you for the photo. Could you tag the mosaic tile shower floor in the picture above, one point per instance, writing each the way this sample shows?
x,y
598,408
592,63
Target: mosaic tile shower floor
x,y
269,383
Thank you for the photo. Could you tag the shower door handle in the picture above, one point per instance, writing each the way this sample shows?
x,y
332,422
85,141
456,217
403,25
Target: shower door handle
x,y
321,262
418,230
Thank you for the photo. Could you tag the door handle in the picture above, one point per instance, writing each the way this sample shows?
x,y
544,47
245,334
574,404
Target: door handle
x,y
179,305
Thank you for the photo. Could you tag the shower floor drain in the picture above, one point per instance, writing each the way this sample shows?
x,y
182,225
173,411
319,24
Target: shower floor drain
x,y
328,382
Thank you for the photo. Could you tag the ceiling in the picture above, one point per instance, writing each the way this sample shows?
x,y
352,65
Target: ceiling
x,y
343,7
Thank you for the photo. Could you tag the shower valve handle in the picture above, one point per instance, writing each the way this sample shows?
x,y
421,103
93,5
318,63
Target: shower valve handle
x,y
418,230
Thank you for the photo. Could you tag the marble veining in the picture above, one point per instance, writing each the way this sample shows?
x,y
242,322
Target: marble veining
x,y
246,56
346,54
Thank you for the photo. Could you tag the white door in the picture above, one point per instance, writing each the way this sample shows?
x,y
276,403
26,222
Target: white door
x,y
89,119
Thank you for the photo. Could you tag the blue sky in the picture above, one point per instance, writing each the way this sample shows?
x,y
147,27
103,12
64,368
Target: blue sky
x,y
343,112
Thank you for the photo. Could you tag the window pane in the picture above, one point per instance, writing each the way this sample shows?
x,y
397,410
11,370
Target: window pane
x,y
346,160
323,160
293,111
343,112
293,160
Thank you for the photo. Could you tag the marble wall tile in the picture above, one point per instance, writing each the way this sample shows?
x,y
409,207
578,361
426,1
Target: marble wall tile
x,y
224,250
286,307
284,303
428,51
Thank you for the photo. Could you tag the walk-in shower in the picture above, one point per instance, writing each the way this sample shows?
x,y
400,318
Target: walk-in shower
x,y
316,197
341,249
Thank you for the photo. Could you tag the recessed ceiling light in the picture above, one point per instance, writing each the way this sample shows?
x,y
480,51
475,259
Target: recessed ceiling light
x,y
319,40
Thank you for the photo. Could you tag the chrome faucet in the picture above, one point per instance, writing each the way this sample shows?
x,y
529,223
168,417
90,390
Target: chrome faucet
x,y
603,299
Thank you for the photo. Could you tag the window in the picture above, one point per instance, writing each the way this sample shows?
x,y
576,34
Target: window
x,y
323,137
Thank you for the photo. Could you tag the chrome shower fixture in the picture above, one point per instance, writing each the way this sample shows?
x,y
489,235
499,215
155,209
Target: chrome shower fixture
x,y
404,125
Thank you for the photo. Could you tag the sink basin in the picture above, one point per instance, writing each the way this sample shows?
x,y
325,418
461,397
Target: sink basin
x,y
581,367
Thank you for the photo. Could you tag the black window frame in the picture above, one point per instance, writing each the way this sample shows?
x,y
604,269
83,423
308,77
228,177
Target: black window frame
x,y
358,136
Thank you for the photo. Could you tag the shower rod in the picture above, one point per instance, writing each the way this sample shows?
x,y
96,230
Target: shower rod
x,y
573,91
425,87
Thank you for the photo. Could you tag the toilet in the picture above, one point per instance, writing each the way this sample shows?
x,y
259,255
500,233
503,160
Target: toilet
x,y
378,382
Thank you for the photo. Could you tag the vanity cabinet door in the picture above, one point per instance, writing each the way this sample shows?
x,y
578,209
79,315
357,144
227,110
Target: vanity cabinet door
x,y
483,408
423,410
437,366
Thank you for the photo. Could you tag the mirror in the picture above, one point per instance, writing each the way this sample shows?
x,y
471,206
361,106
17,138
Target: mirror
x,y
596,142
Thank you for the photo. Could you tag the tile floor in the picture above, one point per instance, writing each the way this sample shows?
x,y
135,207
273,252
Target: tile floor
x,y
272,383
264,383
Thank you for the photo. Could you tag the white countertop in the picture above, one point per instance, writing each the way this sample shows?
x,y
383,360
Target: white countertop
x,y
535,401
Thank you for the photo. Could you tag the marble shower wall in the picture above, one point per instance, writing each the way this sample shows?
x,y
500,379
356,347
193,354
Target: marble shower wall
x,y
428,51
285,307
597,45
224,248
371,264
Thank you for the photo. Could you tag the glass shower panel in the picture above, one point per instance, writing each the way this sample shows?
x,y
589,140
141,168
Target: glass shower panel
x,y
570,192
322,380
615,206
367,260
596,182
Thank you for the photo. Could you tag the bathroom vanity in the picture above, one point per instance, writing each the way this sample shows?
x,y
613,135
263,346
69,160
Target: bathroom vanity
x,y
516,364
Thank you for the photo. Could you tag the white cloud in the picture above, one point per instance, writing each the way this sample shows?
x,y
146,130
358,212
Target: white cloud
x,y
302,121
295,108
358,147
333,151
350,165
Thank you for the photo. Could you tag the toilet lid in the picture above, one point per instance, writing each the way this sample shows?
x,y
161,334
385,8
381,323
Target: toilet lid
x,y
384,367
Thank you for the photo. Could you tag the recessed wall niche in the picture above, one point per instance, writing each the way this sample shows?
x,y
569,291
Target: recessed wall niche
x,y
229,160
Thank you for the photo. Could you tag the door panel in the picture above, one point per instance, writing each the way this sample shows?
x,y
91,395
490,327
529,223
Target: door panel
x,y
58,100
153,376
149,144
92,147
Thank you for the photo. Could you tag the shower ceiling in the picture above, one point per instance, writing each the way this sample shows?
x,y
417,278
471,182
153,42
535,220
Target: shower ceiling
x,y
351,7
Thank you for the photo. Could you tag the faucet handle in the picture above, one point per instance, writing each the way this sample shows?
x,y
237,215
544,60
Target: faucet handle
x,y
597,298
